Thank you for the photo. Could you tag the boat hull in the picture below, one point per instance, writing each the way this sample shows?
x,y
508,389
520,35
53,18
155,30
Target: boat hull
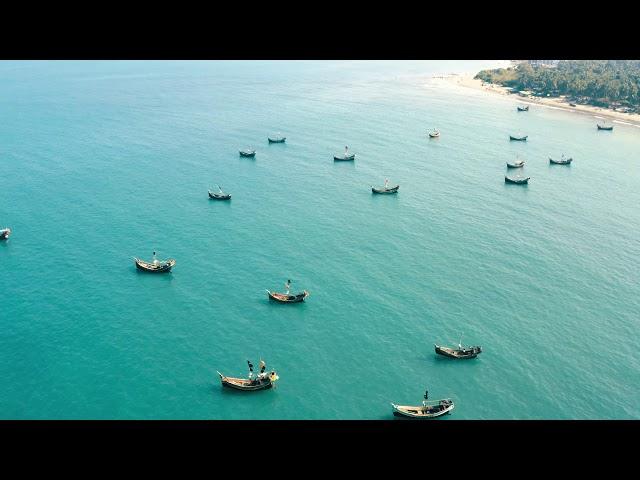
x,y
247,388
604,128
519,181
277,140
515,165
419,411
4,234
525,109
244,384
434,135
247,154
216,196
383,191
283,298
451,353
344,158
518,139
561,162
149,267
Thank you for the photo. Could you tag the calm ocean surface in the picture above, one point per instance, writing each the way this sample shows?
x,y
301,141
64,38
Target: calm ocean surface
x,y
103,161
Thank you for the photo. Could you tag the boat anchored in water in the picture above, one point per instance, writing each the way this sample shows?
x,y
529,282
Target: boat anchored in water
x,y
386,188
604,126
4,233
516,164
287,297
277,139
248,152
520,138
517,179
435,133
262,381
562,161
428,409
345,157
460,352
523,109
155,265
220,195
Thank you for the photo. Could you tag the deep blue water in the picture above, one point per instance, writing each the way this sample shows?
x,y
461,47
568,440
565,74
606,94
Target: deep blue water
x,y
103,161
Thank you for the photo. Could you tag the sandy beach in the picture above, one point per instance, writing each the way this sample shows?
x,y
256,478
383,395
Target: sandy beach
x,y
556,102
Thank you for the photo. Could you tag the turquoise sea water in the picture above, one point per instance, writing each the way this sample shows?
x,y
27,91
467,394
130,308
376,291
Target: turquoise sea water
x,y
103,161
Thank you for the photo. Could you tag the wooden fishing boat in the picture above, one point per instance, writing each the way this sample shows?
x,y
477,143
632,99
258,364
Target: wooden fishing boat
x,y
434,134
562,161
519,139
4,233
572,104
247,153
460,352
516,164
219,195
604,127
262,382
155,267
285,298
385,189
519,180
523,109
428,409
277,139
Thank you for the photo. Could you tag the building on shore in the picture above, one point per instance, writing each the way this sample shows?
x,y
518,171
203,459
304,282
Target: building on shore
x,y
536,63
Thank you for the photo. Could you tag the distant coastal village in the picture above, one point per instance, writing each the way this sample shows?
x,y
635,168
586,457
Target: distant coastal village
x,y
608,84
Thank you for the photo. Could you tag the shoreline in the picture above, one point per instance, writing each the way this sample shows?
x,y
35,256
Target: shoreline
x,y
466,80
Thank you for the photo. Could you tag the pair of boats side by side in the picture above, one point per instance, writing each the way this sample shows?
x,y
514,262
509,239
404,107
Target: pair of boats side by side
x,y
436,408
344,157
251,152
517,179
158,266
386,189
603,126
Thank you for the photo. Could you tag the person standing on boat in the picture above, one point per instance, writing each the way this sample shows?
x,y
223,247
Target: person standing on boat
x,y
287,286
386,182
155,260
250,370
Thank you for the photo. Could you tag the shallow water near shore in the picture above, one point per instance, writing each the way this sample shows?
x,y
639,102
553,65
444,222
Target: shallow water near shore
x,y
103,161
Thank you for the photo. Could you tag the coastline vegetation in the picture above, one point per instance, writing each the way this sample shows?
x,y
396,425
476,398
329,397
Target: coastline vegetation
x,y
602,83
